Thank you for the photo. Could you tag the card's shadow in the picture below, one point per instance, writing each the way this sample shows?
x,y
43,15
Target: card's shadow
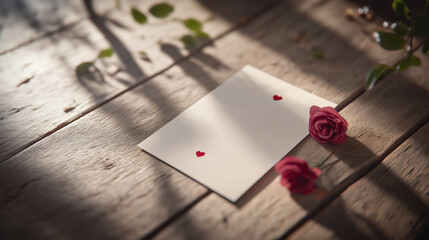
x,y
35,220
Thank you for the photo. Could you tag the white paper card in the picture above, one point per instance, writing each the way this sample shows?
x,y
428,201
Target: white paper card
x,y
241,129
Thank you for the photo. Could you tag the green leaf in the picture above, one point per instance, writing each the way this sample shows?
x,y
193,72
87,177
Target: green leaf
x,y
189,41
83,68
420,27
200,35
374,75
118,4
425,48
138,16
408,61
317,55
400,7
389,41
105,53
400,28
161,10
144,56
193,25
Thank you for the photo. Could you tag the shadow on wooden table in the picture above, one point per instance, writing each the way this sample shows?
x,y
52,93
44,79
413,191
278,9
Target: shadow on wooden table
x,y
344,222
169,111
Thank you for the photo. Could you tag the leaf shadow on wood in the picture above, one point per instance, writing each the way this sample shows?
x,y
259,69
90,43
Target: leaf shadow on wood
x,y
336,216
91,227
192,68
92,77
169,111
325,70
295,35
198,73
120,49
33,15
169,195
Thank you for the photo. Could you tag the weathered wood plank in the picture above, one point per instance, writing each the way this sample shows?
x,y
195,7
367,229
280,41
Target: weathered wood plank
x,y
377,119
89,180
40,91
391,202
25,20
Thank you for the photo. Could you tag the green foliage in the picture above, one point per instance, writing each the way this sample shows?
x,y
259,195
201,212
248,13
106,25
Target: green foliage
x,y
161,10
400,28
317,55
401,38
105,53
425,48
143,54
408,61
138,16
389,41
83,68
375,74
421,26
400,7
198,34
189,41
193,25
201,35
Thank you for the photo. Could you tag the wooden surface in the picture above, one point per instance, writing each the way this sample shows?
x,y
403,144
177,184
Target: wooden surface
x,y
391,202
68,174
39,104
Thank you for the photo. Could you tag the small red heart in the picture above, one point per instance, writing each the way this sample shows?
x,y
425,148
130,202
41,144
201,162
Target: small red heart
x,y
200,154
277,98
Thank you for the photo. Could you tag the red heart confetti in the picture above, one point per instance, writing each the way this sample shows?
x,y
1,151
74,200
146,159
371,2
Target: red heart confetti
x,y
277,98
200,154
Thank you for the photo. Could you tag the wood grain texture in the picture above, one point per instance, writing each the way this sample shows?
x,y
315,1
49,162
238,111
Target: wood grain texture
x,y
377,119
391,202
89,180
40,91
25,20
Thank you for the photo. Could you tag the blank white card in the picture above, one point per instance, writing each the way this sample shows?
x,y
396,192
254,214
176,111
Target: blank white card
x,y
235,134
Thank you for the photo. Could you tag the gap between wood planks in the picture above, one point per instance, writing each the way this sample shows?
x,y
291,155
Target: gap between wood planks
x,y
140,81
47,34
50,33
334,193
337,190
354,177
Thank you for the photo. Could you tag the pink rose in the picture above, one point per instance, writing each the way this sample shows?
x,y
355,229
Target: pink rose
x,y
326,125
296,176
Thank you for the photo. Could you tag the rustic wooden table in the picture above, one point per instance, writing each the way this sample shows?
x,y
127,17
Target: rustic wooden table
x,y
70,167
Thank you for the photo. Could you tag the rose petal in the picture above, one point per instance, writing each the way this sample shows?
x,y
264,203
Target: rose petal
x,y
331,111
296,176
327,125
314,109
316,171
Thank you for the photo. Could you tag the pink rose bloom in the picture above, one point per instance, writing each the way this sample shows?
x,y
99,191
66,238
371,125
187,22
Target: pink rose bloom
x,y
296,176
326,125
